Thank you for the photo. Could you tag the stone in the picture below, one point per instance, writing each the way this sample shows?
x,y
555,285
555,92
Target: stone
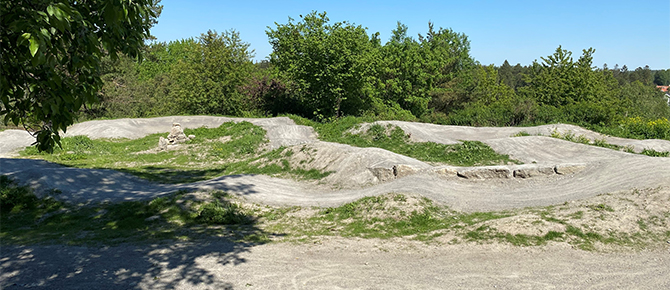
x,y
486,172
382,173
569,168
446,171
191,136
402,170
152,218
532,170
162,143
177,135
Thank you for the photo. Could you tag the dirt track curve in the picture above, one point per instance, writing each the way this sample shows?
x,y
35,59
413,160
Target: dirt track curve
x,y
604,170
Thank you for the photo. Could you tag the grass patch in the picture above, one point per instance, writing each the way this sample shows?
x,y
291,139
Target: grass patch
x,y
193,216
654,153
521,134
47,220
394,139
232,148
601,207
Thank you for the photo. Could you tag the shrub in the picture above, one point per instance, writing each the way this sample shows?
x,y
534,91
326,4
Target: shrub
x,y
647,129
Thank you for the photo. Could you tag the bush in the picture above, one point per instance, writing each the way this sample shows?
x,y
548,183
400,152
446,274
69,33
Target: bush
x,y
638,127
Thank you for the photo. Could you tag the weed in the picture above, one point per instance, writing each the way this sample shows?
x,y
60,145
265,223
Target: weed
x,y
521,134
582,139
577,215
603,143
601,207
654,153
643,226
400,198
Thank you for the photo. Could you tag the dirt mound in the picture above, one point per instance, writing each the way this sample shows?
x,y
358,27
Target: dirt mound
x,y
351,167
282,131
447,134
601,170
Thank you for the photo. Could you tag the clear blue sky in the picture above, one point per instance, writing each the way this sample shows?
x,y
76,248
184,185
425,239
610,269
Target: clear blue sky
x,y
634,33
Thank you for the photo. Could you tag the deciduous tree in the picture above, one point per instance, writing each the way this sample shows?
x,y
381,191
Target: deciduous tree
x,y
51,57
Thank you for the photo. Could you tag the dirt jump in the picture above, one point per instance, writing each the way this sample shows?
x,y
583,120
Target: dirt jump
x,y
554,171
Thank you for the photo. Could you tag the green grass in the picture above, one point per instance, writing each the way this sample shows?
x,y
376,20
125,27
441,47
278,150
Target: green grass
x,y
521,134
601,207
654,153
232,148
29,220
46,220
394,139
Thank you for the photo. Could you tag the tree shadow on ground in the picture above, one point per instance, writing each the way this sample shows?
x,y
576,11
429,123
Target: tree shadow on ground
x,y
148,262
162,266
173,175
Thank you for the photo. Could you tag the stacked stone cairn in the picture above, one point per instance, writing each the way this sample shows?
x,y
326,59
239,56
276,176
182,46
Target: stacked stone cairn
x,y
175,137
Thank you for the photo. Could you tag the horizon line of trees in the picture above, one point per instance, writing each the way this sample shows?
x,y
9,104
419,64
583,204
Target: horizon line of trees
x,y
323,71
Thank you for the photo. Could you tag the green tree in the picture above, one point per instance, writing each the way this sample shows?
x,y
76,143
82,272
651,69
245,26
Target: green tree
x,y
642,74
641,100
329,65
160,57
574,88
662,77
210,77
506,75
51,57
413,72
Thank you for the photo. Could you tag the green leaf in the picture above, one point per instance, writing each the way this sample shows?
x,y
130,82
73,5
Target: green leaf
x,y
24,37
54,108
34,46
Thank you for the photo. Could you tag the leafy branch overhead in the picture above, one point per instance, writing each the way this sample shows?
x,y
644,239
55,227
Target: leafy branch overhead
x,y
51,57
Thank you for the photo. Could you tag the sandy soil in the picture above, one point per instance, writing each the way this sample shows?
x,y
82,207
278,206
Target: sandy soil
x,y
337,263
331,264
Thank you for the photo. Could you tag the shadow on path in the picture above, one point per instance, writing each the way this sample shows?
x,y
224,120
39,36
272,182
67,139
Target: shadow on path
x,y
163,266
84,185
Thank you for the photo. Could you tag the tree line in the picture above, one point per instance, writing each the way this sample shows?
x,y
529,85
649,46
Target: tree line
x,y
325,70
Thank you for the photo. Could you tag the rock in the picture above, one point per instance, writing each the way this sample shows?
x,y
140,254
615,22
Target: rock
x,y
162,143
532,170
152,218
177,135
402,170
486,172
446,171
382,173
191,136
569,168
